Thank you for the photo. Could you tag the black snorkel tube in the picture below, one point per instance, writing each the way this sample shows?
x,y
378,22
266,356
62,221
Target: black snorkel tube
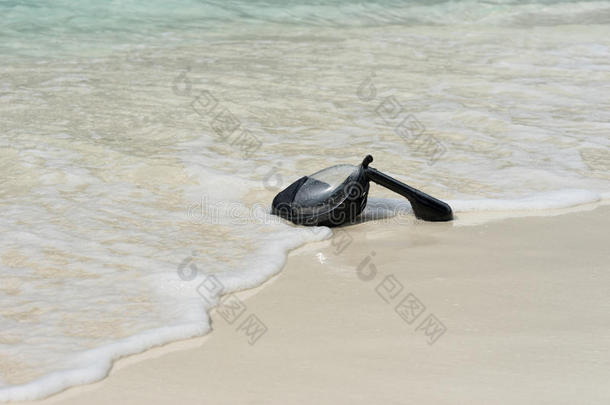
x,y
424,206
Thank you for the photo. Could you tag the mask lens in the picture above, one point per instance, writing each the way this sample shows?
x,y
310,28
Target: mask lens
x,y
326,187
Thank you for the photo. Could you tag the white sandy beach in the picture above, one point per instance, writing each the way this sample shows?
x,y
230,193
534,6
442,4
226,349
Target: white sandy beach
x,y
524,302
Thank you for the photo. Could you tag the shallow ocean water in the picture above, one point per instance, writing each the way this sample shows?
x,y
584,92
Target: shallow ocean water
x,y
138,137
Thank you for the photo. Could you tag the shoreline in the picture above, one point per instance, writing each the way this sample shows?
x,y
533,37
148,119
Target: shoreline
x,y
515,302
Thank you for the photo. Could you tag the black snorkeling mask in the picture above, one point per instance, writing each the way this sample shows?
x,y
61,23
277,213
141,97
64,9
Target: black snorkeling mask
x,y
338,194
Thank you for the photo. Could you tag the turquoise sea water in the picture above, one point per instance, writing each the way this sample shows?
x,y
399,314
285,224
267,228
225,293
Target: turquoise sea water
x,y
46,28
115,167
